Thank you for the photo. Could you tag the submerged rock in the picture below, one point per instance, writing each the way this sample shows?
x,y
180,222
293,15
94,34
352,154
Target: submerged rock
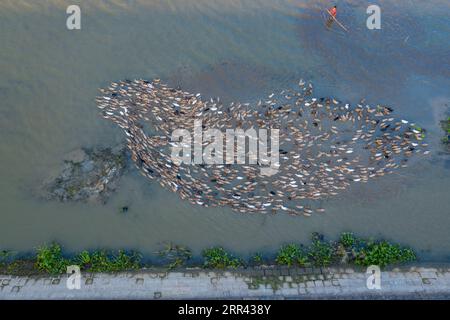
x,y
88,175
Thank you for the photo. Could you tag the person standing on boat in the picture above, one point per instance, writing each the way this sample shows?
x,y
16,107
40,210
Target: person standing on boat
x,y
333,11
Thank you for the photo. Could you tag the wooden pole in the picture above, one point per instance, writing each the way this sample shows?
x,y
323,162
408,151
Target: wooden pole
x,y
334,18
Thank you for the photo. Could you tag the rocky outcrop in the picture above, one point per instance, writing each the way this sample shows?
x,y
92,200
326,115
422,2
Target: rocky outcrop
x,y
88,175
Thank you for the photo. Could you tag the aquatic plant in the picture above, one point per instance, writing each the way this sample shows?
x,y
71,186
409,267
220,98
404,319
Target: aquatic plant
x,y
218,258
257,259
383,253
347,239
125,261
5,255
176,263
291,254
13,267
321,253
175,255
102,261
50,259
84,258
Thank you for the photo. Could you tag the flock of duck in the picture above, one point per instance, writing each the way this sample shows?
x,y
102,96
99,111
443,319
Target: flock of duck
x,y
325,145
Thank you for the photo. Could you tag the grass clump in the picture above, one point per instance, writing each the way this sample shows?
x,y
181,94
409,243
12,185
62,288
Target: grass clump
x,y
5,255
257,259
218,258
347,239
102,261
445,125
50,259
290,255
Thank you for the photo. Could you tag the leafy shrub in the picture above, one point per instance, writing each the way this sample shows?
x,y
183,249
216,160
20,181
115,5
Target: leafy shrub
x,y
218,258
383,253
321,253
50,259
291,254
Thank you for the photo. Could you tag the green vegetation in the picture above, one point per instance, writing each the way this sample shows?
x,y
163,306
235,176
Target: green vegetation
x,y
218,258
120,159
257,259
420,130
348,250
72,190
175,255
290,255
11,264
383,254
50,259
321,253
5,256
445,125
102,261
347,239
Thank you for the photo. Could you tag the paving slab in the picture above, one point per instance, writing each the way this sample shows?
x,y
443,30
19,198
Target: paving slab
x,y
417,282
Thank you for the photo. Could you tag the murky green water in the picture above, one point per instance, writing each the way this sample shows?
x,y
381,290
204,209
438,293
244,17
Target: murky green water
x,y
238,50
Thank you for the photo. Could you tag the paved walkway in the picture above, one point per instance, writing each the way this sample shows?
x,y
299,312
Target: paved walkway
x,y
257,283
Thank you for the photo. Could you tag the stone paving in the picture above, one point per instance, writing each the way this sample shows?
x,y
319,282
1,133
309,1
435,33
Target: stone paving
x,y
253,283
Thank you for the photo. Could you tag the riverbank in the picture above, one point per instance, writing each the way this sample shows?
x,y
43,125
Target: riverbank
x,y
413,282
349,250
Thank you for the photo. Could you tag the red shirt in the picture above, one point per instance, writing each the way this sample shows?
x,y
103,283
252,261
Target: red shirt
x,y
333,11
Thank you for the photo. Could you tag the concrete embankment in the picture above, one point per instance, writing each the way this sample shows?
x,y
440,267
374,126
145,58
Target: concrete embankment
x,y
414,282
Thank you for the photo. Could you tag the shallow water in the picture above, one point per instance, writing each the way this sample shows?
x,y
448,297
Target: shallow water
x,y
238,50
